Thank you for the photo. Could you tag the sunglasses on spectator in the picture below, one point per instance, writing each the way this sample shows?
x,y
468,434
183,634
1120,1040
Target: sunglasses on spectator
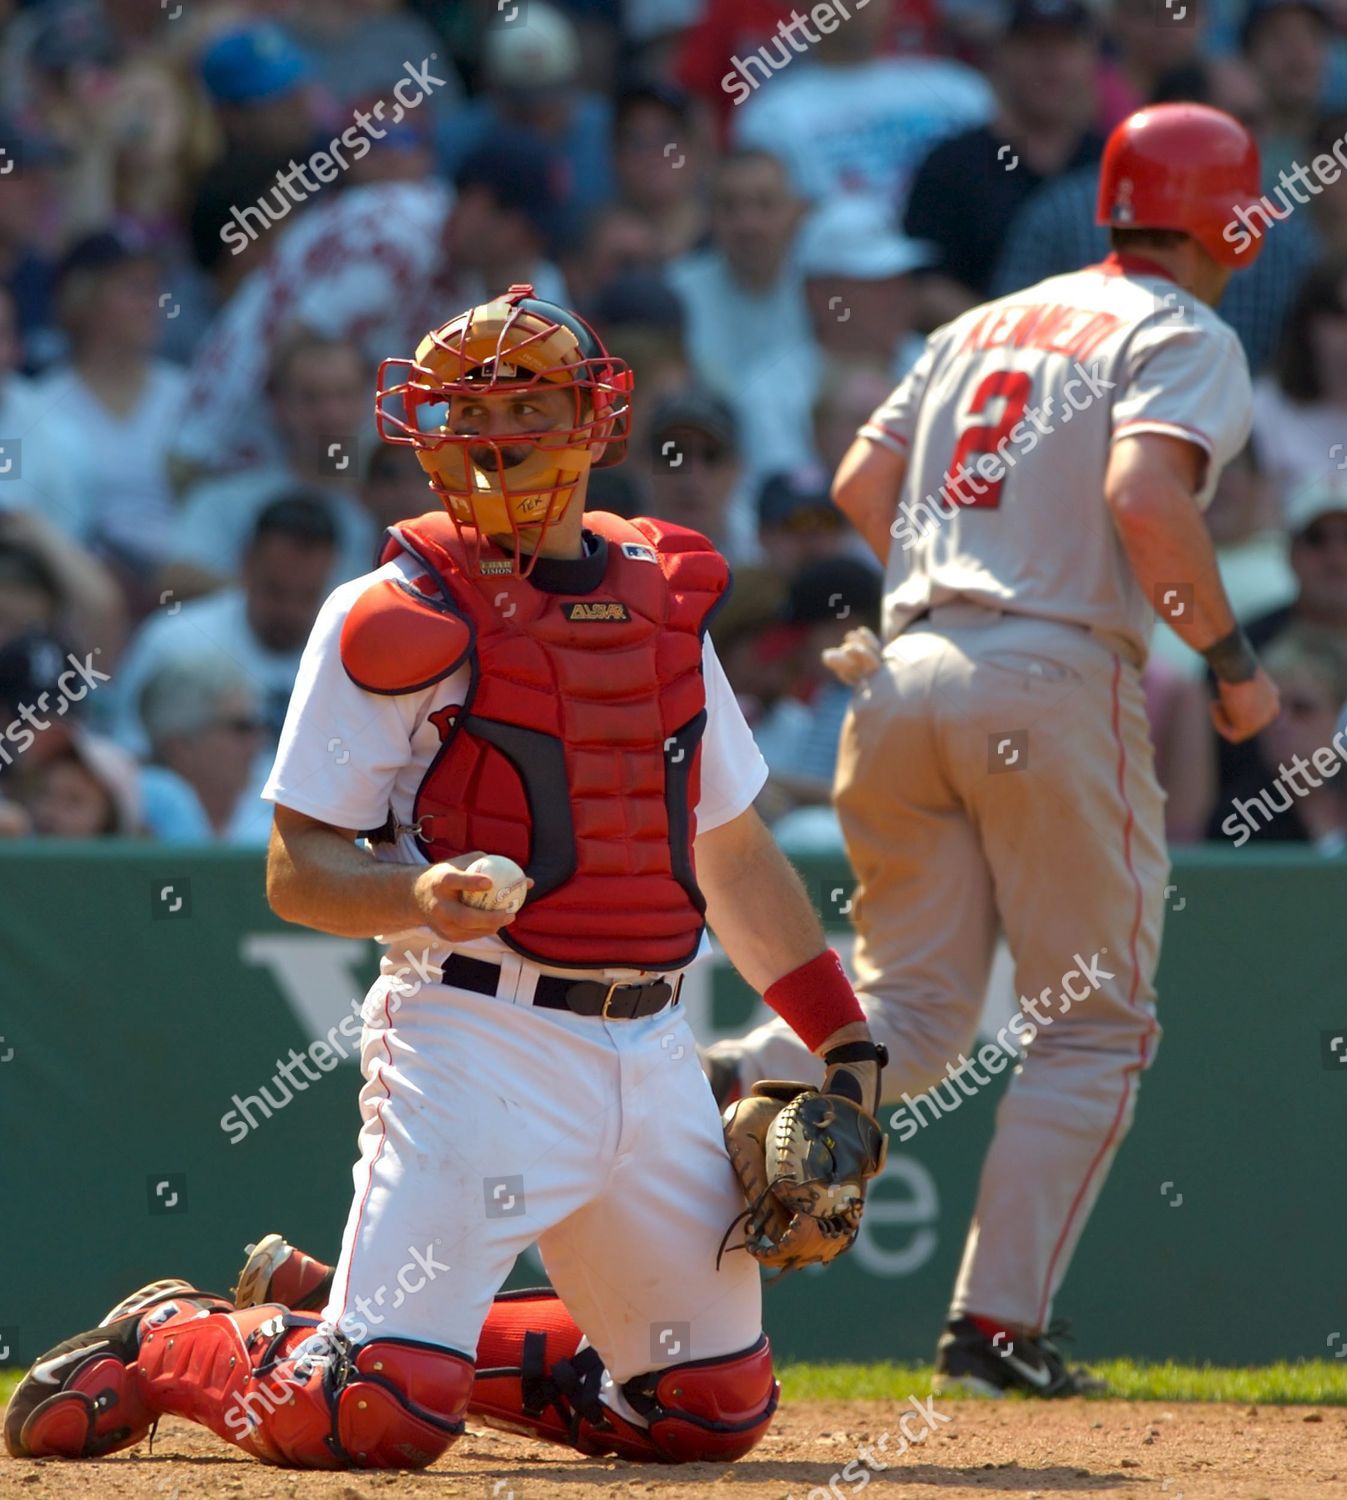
x,y
240,724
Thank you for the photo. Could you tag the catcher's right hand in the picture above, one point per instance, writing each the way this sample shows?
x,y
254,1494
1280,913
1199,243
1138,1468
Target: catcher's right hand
x,y
804,1157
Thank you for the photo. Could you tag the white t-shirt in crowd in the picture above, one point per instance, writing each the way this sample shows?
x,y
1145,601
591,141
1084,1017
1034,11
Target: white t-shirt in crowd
x,y
37,444
862,128
214,625
217,519
123,460
347,756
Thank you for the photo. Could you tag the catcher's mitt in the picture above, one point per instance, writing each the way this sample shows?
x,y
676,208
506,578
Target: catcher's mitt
x,y
803,1158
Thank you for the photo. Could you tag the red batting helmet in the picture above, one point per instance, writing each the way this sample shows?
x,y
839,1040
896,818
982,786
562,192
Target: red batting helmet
x,y
1186,167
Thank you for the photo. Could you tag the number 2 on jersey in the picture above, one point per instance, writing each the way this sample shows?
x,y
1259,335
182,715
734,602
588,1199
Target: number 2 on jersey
x,y
1011,387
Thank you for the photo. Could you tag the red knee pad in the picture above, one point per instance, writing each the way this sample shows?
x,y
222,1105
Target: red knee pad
x,y
532,1377
709,1409
402,1404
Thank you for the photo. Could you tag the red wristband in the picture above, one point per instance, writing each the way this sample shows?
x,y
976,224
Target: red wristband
x,y
815,999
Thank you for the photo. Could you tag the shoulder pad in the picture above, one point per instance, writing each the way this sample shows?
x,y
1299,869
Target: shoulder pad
x,y
396,640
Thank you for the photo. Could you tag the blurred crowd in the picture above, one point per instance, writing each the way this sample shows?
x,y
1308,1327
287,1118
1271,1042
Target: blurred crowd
x,y
217,217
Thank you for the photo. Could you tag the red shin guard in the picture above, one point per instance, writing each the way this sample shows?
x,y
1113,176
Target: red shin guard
x,y
270,1382
531,1379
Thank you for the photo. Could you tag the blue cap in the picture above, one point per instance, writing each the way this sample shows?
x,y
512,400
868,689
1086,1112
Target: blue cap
x,y
252,64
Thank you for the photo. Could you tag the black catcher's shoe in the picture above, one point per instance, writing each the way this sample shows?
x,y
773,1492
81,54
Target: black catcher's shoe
x,y
968,1363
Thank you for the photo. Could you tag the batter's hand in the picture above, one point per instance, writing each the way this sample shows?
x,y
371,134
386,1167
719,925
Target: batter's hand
x,y
1243,708
858,657
437,897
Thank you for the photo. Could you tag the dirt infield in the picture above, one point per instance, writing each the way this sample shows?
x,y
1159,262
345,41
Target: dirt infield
x,y
1169,1452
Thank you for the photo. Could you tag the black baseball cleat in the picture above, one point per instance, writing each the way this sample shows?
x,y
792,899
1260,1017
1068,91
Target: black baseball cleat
x,y
968,1363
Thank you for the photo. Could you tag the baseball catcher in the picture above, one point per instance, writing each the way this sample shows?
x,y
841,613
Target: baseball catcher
x,y
523,679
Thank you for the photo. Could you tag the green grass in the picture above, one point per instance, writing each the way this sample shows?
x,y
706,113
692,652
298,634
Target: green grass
x,y
1315,1383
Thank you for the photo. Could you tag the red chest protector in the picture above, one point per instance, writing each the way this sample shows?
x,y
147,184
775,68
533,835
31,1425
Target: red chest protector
x,y
577,750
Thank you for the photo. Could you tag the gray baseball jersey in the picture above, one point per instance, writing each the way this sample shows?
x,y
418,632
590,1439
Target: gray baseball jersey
x,y
1007,419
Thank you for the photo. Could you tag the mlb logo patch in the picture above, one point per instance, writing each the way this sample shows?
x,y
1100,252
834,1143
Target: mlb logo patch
x,y
638,553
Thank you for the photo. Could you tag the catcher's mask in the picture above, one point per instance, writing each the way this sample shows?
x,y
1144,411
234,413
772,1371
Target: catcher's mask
x,y
515,344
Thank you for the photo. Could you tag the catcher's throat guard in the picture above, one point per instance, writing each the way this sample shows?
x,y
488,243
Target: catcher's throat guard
x,y
514,345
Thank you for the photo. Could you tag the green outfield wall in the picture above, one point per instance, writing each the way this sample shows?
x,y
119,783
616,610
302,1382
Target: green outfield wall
x,y
144,995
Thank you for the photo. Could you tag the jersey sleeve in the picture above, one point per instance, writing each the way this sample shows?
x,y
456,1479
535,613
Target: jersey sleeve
x,y
1188,381
891,423
733,771
341,748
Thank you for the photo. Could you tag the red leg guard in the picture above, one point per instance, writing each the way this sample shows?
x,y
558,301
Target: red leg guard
x,y
531,1379
287,1393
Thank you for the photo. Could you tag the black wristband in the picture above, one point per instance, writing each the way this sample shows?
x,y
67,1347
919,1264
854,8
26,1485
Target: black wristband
x,y
850,1052
1232,658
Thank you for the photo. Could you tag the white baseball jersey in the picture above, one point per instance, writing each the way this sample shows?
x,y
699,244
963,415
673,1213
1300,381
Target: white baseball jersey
x,y
1007,420
347,756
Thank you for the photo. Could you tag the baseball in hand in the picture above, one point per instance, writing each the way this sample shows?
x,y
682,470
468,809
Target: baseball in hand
x,y
509,884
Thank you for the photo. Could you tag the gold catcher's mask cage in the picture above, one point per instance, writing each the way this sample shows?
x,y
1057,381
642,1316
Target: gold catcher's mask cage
x,y
515,343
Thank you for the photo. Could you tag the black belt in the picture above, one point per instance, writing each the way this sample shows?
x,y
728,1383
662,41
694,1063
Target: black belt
x,y
584,997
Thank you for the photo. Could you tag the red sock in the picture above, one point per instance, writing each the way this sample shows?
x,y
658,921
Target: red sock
x,y
501,1342
990,1327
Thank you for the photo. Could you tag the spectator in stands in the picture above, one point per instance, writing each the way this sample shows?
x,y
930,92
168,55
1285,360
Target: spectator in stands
x,y
406,153
49,580
847,120
797,522
1044,71
90,789
859,285
695,468
1328,207
203,722
844,404
799,734
37,443
261,85
1286,43
94,786
1300,407
261,625
319,394
1316,519
638,314
748,330
726,32
1269,792
28,206
612,242
1146,42
395,487
360,49
124,401
659,160
530,73
379,266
